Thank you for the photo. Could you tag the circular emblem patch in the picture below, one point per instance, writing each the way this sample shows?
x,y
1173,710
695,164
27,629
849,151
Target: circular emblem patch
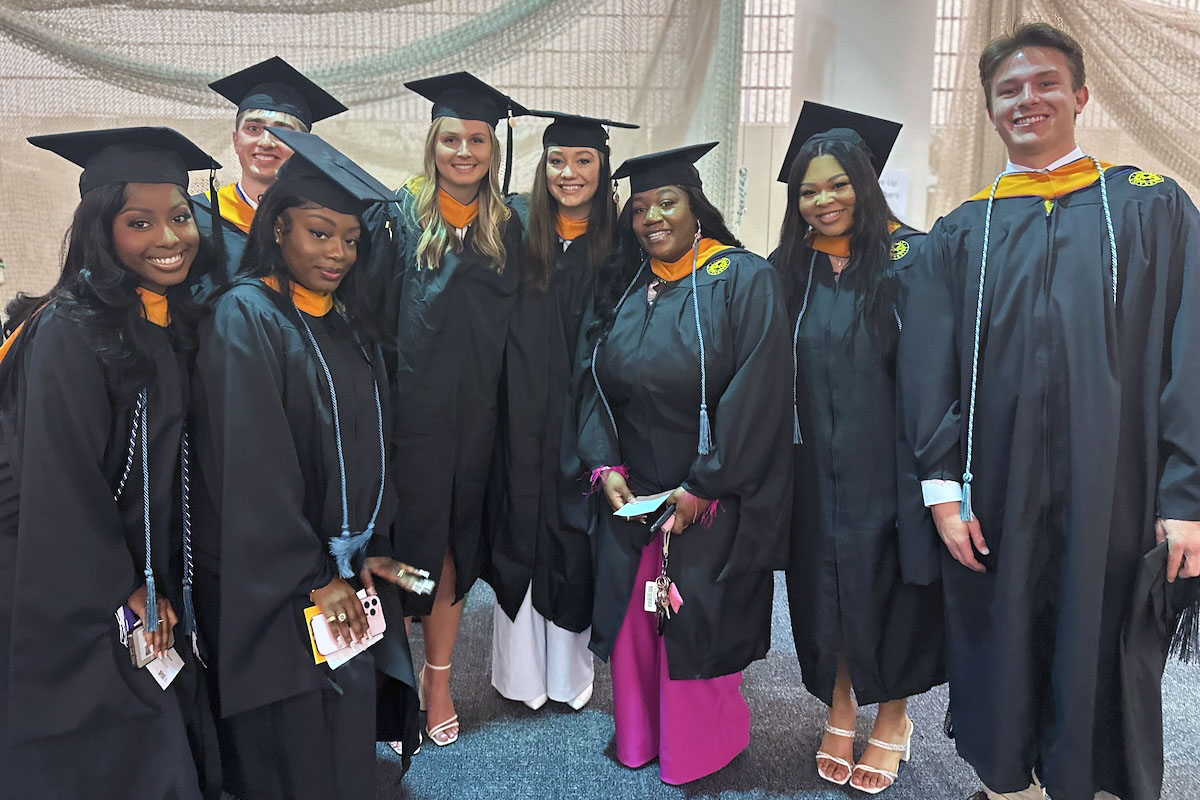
x,y
1145,178
899,250
717,267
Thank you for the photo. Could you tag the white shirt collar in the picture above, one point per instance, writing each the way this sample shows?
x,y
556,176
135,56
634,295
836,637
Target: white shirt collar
x,y
1074,155
250,201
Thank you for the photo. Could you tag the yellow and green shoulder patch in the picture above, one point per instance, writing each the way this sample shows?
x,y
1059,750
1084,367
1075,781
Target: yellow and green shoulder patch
x,y
718,266
1145,178
899,249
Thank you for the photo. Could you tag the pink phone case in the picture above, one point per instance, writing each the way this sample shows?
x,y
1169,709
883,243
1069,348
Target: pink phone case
x,y
376,624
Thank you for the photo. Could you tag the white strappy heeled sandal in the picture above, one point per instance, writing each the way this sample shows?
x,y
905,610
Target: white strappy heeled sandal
x,y
905,748
841,762
441,728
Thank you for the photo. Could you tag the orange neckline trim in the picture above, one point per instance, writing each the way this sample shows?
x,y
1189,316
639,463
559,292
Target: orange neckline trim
x,y
458,214
154,306
1079,174
570,229
315,304
674,270
832,245
233,208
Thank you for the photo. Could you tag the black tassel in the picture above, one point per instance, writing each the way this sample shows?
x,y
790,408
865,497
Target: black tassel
x,y
220,268
1185,642
508,154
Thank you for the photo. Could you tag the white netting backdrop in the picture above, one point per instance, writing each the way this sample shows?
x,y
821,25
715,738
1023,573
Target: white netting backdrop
x,y
671,65
1143,71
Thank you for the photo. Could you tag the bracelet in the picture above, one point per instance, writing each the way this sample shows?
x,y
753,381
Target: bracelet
x,y
600,473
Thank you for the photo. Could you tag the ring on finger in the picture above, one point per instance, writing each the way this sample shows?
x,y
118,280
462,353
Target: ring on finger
x,y
341,617
331,618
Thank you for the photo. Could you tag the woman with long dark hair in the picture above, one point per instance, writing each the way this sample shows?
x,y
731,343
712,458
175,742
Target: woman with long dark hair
x,y
447,286
93,402
297,503
684,399
862,633
540,550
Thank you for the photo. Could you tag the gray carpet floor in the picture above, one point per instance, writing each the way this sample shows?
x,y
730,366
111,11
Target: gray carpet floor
x,y
507,751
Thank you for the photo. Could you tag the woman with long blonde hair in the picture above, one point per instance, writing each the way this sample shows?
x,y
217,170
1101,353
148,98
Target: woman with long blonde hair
x,y
447,285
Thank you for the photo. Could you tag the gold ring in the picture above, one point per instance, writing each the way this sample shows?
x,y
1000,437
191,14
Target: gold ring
x,y
341,617
331,618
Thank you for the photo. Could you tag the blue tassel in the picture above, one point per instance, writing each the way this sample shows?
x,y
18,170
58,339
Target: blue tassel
x,y
965,510
796,437
347,547
189,611
705,433
151,604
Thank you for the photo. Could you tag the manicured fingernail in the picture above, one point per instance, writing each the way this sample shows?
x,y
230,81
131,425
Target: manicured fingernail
x,y
984,550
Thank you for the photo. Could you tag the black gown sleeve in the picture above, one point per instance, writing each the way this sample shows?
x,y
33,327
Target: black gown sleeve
x,y
752,427
927,369
1179,405
919,546
270,554
73,568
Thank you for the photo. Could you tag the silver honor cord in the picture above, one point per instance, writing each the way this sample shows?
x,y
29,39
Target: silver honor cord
x,y
797,436
612,420
965,511
704,445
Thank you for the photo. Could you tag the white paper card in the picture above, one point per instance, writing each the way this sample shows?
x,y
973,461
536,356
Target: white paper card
x,y
642,505
165,667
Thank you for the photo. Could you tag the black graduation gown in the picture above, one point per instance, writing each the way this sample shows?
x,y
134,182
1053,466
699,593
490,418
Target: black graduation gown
x,y
649,368
232,237
449,327
78,719
846,593
1085,431
270,501
1148,634
537,519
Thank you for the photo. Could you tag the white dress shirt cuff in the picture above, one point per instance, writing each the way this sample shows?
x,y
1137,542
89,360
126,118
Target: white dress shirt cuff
x,y
935,491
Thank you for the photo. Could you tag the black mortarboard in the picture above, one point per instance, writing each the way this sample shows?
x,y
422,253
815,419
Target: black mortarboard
x,y
463,96
669,167
572,130
128,155
275,85
817,120
323,174
1163,619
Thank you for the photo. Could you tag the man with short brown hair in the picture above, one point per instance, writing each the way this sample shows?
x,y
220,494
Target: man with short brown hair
x,y
1048,379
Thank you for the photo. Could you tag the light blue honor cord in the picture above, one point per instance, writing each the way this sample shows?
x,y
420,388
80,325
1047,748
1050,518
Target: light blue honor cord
x,y
347,545
965,510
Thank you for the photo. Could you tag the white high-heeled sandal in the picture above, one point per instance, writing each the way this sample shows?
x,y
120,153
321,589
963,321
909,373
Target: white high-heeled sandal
x,y
841,762
905,748
443,727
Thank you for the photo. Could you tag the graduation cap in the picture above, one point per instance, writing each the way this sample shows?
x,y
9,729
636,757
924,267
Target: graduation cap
x,y
664,168
1163,620
323,174
460,95
275,85
128,155
821,122
573,130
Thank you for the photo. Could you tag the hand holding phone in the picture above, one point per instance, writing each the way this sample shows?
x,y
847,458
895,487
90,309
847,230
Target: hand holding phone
x,y
328,641
410,579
